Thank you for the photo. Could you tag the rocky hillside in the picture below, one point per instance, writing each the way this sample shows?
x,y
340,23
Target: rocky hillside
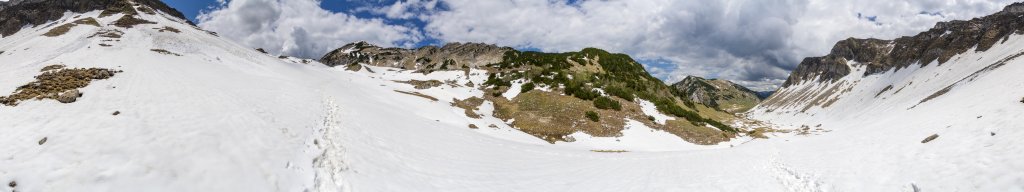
x,y
717,93
935,46
37,12
559,91
450,56
938,46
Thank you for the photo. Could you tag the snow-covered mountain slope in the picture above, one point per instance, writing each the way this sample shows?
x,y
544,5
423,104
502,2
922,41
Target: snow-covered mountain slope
x,y
949,113
222,117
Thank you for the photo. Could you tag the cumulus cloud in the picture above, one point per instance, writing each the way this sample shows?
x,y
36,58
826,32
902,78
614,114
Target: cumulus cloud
x,y
299,27
753,42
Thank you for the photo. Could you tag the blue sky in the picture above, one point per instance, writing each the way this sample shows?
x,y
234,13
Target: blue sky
x,y
755,43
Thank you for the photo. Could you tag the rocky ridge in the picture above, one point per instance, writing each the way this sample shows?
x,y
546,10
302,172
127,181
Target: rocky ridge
x,y
449,56
938,45
38,12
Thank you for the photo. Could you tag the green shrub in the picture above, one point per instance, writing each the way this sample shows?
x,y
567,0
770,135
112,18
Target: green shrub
x,y
607,103
620,92
593,116
528,87
650,118
586,94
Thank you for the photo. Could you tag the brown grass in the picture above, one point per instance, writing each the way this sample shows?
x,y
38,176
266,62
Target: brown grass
x,y
553,117
930,138
168,28
116,34
418,94
423,84
146,10
610,151
696,134
470,105
61,85
121,7
165,52
60,30
129,21
354,67
51,67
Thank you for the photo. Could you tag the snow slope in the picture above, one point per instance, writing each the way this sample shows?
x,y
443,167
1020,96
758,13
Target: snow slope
x,y
223,117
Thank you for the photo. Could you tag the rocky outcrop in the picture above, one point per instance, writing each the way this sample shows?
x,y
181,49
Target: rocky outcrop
x,y
938,45
449,56
18,13
717,93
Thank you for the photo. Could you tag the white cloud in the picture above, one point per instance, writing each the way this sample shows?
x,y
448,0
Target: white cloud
x,y
752,42
299,27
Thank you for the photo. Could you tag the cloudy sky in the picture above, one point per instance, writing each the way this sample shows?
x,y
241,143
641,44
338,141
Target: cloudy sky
x,y
752,42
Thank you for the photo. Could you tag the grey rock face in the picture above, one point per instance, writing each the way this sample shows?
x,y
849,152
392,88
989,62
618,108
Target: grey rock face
x,y
18,13
938,44
450,56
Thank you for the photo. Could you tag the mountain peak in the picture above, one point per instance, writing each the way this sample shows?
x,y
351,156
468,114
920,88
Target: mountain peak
x,y
18,13
938,44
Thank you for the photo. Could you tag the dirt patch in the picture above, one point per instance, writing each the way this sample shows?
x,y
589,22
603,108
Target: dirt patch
x,y
701,135
472,126
168,29
470,105
129,21
61,85
418,84
165,52
418,94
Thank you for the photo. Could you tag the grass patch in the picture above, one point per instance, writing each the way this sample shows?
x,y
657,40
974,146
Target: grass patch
x,y
165,52
418,94
930,138
610,151
146,10
697,134
168,29
593,116
119,7
115,34
607,103
129,21
423,84
552,117
61,85
469,105
63,29
51,67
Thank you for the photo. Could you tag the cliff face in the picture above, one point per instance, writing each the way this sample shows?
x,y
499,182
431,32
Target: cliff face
x,y
18,13
449,56
938,44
